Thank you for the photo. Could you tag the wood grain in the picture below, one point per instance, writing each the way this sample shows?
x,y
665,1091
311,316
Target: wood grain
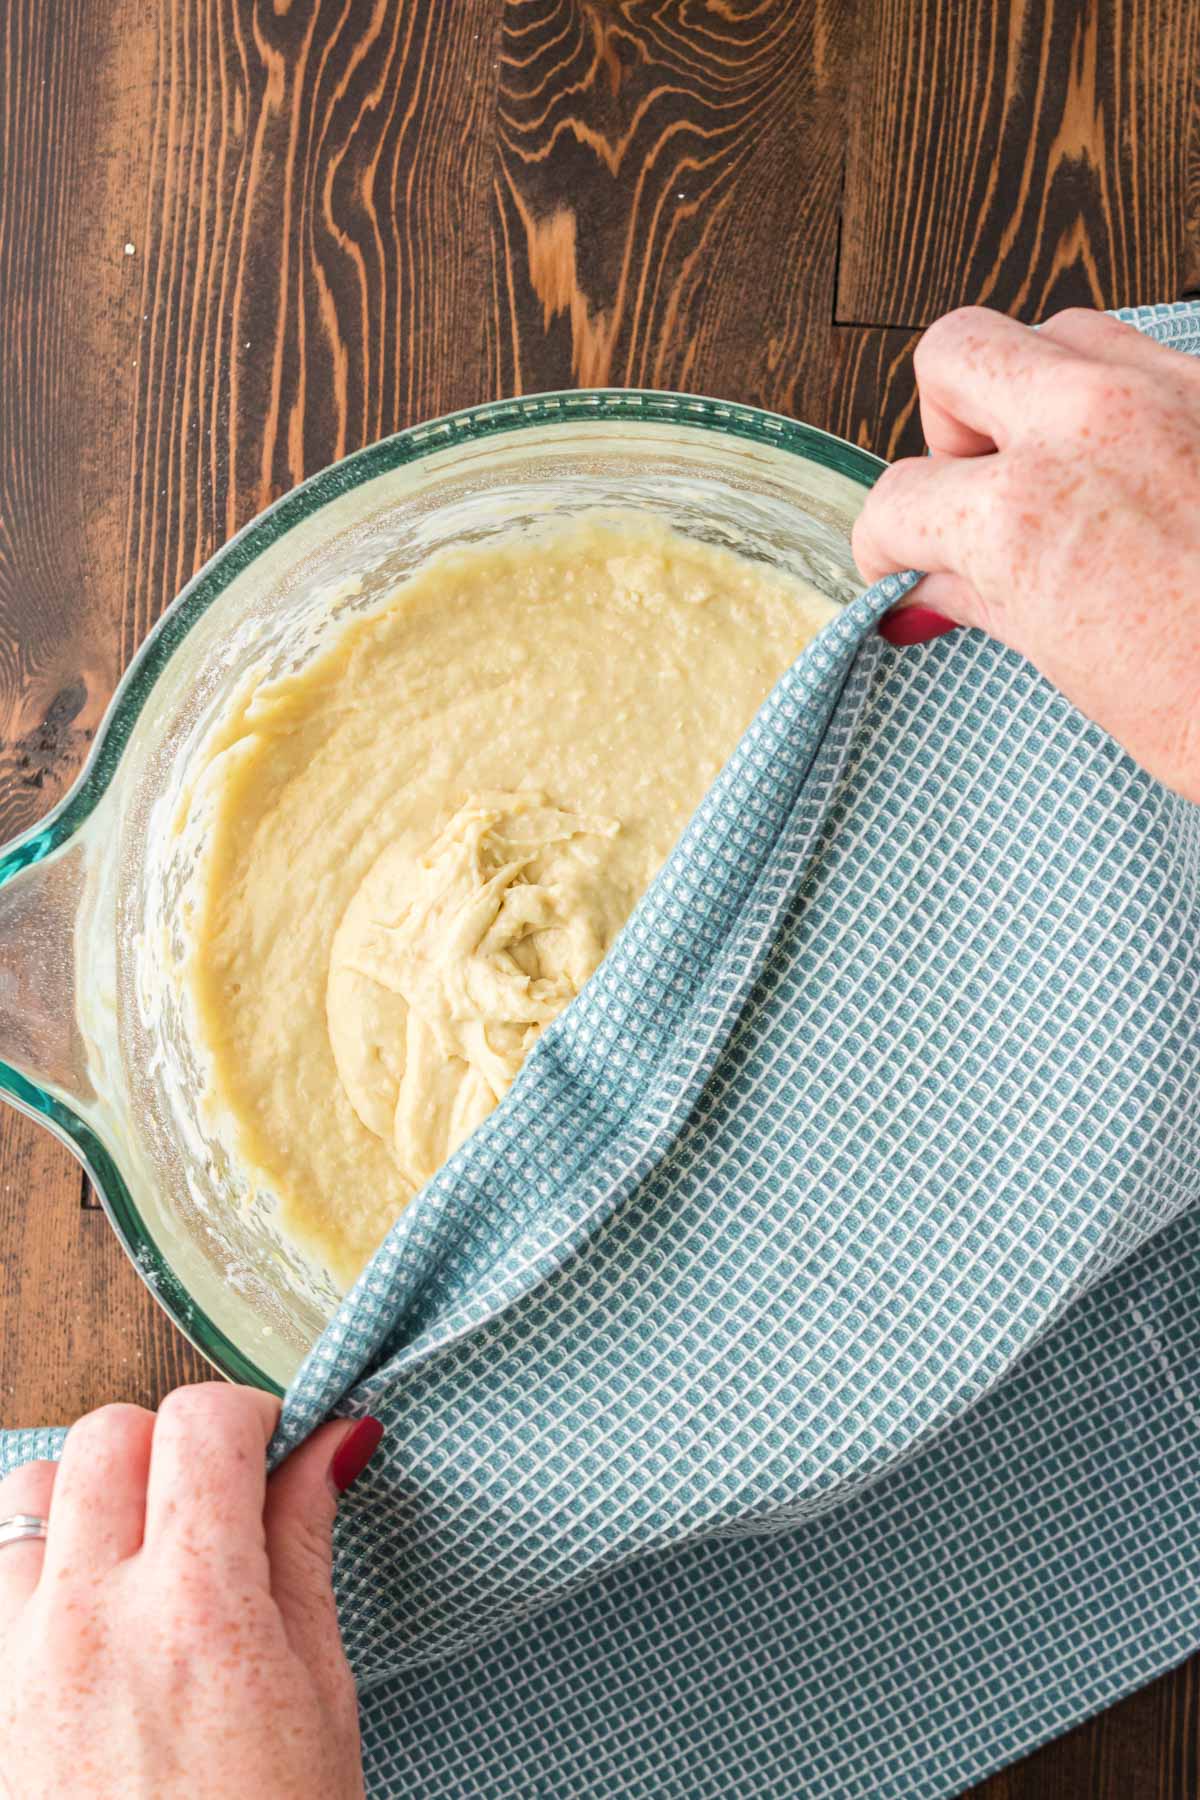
x,y
76,1326
666,194
239,238
1027,157
872,399
311,254
57,662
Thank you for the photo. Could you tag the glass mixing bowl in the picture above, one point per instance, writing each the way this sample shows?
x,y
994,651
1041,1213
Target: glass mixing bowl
x,y
94,1035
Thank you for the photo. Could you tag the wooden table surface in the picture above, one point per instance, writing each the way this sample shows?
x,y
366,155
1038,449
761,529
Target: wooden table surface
x,y
239,238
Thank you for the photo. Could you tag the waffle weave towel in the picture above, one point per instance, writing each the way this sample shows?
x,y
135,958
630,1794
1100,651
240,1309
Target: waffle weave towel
x,y
791,1390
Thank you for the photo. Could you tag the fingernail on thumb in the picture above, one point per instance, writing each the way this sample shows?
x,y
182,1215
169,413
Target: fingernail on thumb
x,y
914,625
354,1452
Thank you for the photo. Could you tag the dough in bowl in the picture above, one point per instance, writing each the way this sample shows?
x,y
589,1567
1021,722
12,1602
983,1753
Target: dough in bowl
x,y
421,844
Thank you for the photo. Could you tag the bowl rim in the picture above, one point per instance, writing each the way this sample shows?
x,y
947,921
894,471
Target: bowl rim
x,y
467,425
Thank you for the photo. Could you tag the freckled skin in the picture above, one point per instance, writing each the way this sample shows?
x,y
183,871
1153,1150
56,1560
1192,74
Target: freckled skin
x,y
1059,511
176,1635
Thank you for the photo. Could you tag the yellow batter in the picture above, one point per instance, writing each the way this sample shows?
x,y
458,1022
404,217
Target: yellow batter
x,y
423,843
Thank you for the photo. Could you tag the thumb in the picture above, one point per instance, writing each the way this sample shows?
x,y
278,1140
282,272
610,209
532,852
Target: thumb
x,y
301,1505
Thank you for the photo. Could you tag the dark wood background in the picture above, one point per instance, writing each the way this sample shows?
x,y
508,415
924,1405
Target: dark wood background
x,y
239,238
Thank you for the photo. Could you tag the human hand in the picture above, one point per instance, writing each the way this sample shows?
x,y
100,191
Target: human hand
x,y
1059,511
175,1635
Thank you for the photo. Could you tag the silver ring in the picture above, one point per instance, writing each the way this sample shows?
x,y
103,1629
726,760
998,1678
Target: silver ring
x,y
21,1528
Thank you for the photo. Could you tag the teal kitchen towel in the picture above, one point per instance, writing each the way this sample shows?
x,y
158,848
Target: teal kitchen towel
x,y
791,1390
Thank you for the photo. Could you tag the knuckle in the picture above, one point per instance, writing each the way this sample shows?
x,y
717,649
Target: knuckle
x,y
218,1431
200,1393
109,1427
960,320
1087,332
891,495
200,1403
205,1424
26,1485
1071,320
894,480
950,333
188,1406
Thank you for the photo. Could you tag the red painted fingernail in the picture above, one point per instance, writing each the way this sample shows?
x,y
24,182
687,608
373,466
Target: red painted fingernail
x,y
354,1453
914,625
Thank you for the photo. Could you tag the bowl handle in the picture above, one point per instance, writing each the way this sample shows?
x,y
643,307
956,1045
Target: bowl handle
x,y
39,1029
